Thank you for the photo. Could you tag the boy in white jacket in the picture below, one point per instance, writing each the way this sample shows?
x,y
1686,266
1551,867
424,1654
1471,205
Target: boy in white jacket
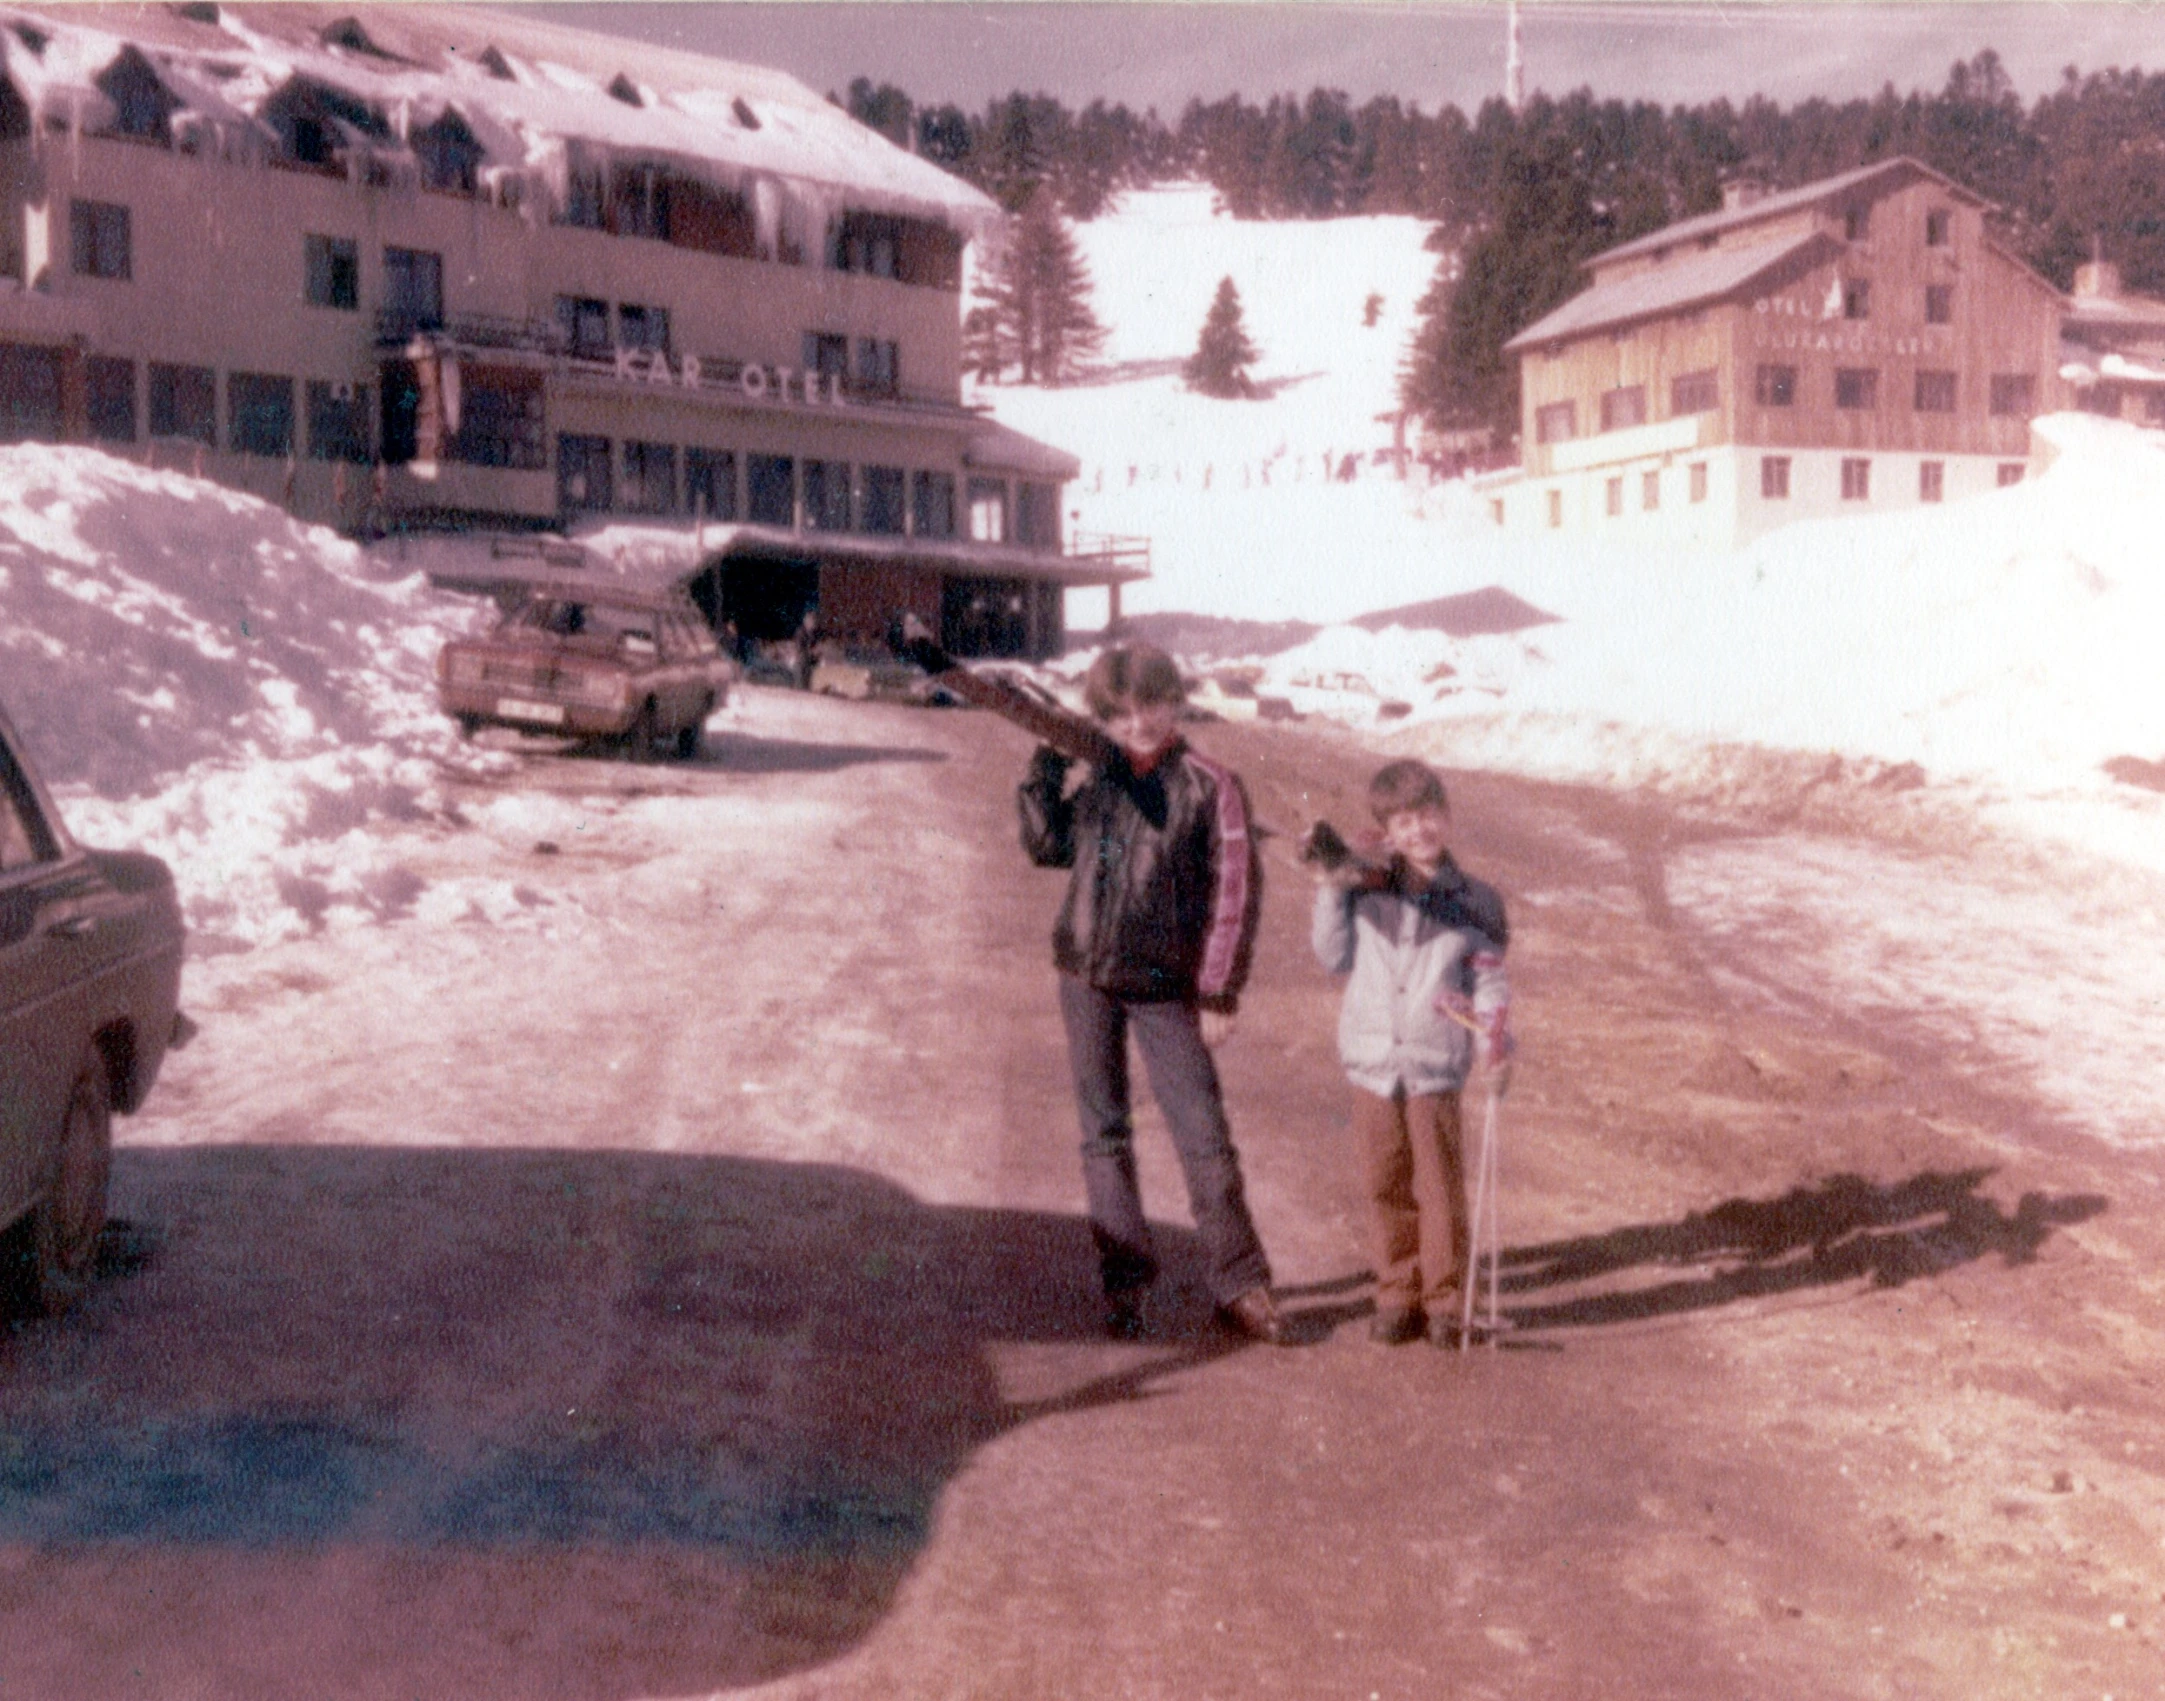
x,y
1424,947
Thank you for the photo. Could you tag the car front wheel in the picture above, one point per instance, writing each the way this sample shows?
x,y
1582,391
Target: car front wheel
x,y
63,1231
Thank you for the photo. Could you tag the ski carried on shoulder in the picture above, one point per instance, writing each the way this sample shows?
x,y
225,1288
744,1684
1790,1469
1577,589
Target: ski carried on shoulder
x,y
1074,736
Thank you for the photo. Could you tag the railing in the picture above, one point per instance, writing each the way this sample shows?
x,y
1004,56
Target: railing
x,y
1105,549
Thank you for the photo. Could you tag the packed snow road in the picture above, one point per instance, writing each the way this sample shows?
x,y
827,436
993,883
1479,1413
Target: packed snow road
x,y
653,1267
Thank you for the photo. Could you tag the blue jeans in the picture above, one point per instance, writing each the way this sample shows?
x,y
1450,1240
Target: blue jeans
x,y
1184,1081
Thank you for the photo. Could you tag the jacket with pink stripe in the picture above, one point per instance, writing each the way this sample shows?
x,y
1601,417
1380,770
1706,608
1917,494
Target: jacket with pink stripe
x,y
1167,886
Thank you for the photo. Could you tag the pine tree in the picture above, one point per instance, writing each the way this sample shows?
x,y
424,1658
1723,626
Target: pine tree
x,y
1036,313
1223,353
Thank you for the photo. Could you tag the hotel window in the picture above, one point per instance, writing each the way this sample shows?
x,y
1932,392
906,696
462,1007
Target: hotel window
x,y
827,354
1694,392
1614,493
500,419
584,200
1937,224
883,505
1939,304
109,396
259,414
448,155
1556,509
1856,387
584,324
1856,479
1698,481
100,240
1650,490
879,366
1037,515
932,504
1931,481
988,510
1774,475
1623,407
413,289
2014,393
337,421
1557,422
585,481
826,496
1857,223
2010,472
1775,387
642,327
1857,299
184,402
710,484
637,201
771,489
333,265
1935,392
650,478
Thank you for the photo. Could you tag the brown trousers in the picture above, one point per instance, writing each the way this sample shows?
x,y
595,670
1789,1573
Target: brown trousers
x,y
1415,1171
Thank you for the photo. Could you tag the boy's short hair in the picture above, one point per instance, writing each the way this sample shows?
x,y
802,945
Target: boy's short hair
x,y
1406,785
1129,676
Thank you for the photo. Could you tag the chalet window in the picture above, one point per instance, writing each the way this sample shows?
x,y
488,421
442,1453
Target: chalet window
x,y
1557,422
413,290
2014,393
1698,481
1935,392
2010,472
259,414
1556,509
101,240
883,500
337,421
826,496
650,478
1931,481
988,510
642,327
1857,298
500,419
879,366
1037,515
1650,490
585,480
1774,475
109,393
1857,223
333,268
710,483
584,322
827,354
1856,479
1775,387
1939,304
1614,492
1937,224
1623,407
932,504
1694,392
1856,387
771,485
184,402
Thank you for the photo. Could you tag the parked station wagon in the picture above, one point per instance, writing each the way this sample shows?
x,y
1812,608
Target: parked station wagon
x,y
640,668
90,949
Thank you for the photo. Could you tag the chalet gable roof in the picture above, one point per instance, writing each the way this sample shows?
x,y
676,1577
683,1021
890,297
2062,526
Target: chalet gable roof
x,y
1713,275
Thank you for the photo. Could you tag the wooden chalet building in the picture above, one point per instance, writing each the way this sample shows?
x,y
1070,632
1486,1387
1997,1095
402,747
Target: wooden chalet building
x,y
405,268
1857,343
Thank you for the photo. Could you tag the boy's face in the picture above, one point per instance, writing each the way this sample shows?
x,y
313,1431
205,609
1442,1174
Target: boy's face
x,y
1421,836
1143,729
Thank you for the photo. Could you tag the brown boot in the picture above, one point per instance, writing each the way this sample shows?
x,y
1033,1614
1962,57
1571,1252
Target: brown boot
x,y
1254,1314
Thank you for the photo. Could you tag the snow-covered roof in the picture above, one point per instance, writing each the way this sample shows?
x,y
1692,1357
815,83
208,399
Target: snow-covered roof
x,y
532,94
1703,277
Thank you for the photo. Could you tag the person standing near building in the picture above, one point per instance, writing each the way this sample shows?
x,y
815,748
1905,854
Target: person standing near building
x,y
1154,938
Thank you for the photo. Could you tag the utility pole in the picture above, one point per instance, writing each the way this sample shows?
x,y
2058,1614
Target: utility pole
x,y
1514,65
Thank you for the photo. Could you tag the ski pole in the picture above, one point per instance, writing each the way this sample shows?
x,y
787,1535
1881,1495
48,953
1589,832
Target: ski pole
x,y
1483,1225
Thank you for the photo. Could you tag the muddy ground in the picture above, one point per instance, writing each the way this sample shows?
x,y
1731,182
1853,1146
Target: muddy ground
x,y
680,1288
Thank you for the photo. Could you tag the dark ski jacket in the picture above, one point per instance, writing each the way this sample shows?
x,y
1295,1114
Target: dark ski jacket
x,y
1167,887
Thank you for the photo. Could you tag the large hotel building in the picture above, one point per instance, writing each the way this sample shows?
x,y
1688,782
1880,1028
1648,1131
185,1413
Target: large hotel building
x,y
1860,342
404,268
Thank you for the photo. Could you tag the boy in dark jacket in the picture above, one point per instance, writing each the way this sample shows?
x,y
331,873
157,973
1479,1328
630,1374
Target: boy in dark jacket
x,y
1154,938
1427,997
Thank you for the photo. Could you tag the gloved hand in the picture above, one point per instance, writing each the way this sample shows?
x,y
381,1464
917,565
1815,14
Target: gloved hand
x,y
1048,768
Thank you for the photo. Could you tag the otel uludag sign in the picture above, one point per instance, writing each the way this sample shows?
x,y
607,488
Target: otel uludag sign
x,y
1814,324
